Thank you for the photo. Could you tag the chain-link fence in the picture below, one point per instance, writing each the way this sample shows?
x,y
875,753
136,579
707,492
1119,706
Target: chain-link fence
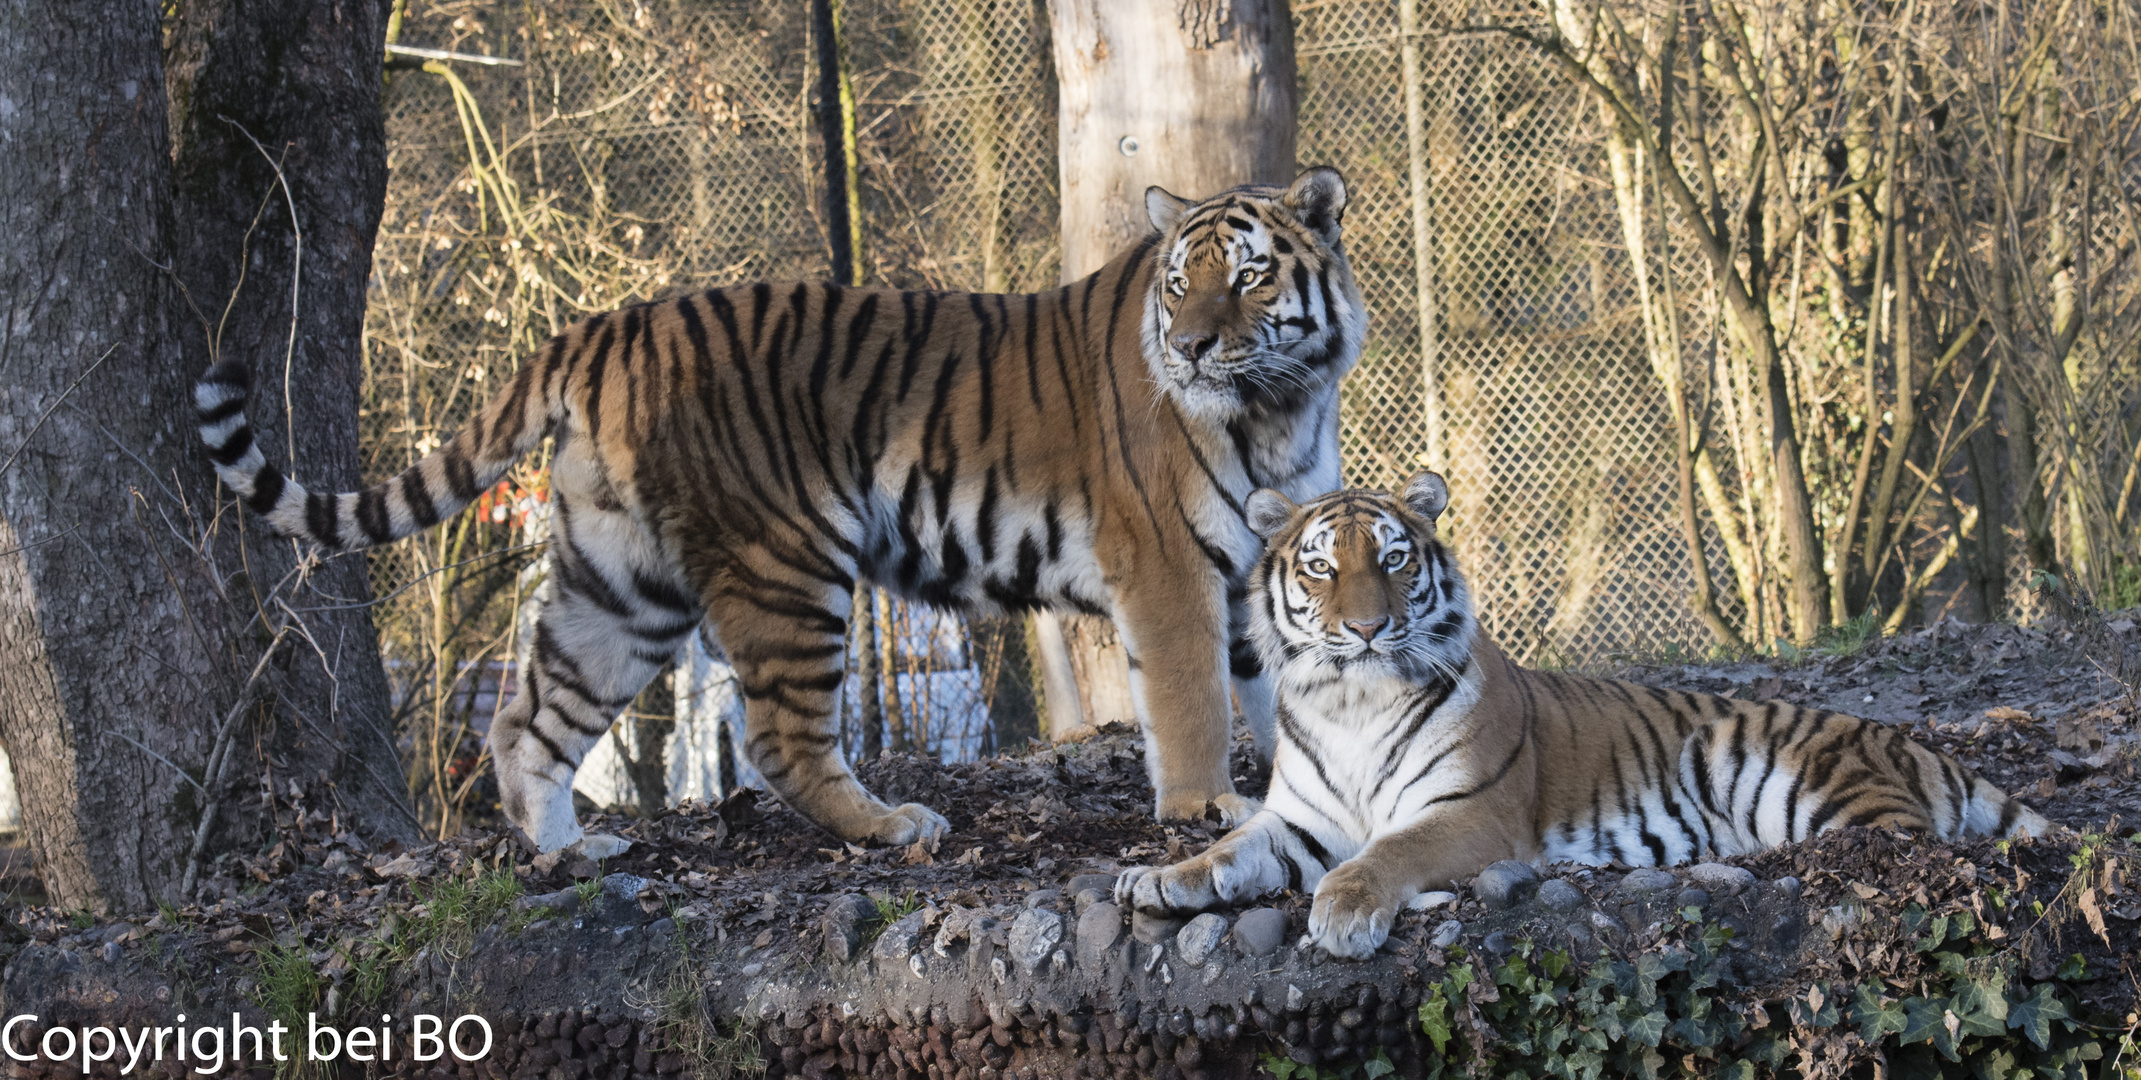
x,y
641,147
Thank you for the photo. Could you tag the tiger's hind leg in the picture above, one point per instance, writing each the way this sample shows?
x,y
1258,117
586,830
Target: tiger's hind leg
x,y
615,615
785,630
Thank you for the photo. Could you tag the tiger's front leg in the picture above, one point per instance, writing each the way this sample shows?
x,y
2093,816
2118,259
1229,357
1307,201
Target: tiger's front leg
x,y
786,633
1358,901
1262,856
1177,640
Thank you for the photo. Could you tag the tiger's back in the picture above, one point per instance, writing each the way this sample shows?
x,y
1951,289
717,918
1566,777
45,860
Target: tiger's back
x,y
1642,776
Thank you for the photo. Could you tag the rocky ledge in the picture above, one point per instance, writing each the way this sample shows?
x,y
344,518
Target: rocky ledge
x,y
737,940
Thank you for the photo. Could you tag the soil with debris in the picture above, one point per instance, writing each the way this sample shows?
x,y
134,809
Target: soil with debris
x,y
2046,711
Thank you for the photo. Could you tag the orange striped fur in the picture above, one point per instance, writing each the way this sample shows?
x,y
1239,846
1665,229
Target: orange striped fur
x,y
742,457
1412,753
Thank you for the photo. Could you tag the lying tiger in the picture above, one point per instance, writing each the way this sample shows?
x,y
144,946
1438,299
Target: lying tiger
x,y
1412,753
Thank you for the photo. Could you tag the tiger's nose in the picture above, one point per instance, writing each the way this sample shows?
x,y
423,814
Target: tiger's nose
x,y
1193,346
1366,630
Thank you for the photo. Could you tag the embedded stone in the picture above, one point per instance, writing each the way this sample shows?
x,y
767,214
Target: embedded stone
x,y
1607,924
1152,929
843,924
1691,897
1648,879
898,939
1429,901
1447,934
1034,934
1103,882
1100,926
1717,877
1042,897
1506,884
1559,895
1499,943
1789,886
1197,939
1260,931
1086,899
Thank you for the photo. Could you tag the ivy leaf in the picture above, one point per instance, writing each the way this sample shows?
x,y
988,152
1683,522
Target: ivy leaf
x,y
1435,1019
1279,1067
1981,1004
2074,970
1648,1028
1935,933
1378,1066
2034,1014
1875,1019
1922,1019
1817,1009
1735,1070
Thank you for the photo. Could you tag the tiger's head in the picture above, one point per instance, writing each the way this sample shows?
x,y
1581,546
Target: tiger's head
x,y
1353,585
1252,304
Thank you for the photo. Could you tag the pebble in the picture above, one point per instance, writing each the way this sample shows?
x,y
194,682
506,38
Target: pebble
x,y
623,886
1099,927
1789,886
1260,931
753,969
1607,924
1559,895
1429,901
1499,943
111,952
1086,899
1691,897
1717,877
1647,880
1040,897
1506,884
1034,935
1199,937
1152,929
1103,882
1447,934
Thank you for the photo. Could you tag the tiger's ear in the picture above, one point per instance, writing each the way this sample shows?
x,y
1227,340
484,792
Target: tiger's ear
x,y
1318,201
1268,512
1164,208
1426,495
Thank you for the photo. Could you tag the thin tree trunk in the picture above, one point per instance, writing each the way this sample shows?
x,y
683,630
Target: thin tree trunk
x,y
1196,97
278,183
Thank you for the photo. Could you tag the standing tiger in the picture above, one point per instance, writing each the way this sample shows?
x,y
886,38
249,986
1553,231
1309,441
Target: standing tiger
x,y
1412,753
743,456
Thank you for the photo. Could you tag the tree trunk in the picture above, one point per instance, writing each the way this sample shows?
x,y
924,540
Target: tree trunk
x,y
275,118
1195,96
132,628
97,646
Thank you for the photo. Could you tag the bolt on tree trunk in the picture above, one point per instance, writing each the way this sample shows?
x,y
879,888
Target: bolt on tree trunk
x,y
1195,97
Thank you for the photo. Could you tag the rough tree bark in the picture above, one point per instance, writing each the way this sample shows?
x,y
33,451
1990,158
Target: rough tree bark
x,y
128,632
1195,96
275,115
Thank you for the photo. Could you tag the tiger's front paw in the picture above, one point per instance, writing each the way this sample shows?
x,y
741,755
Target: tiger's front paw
x,y
1352,915
1227,808
1166,890
907,823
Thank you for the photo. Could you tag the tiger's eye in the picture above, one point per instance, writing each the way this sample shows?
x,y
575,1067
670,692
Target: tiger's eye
x,y
1318,566
1395,559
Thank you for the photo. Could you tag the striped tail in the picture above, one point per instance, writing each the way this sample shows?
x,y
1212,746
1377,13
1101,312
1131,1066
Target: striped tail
x,y
436,488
